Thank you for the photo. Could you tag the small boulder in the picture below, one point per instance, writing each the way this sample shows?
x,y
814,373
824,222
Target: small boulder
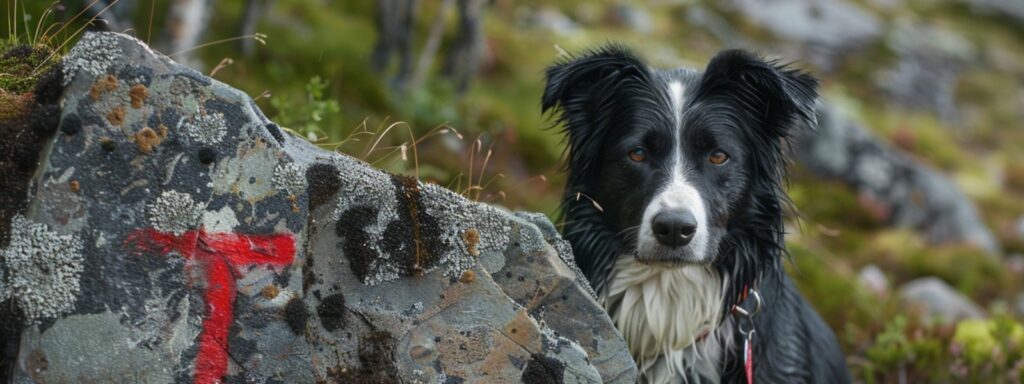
x,y
939,301
873,279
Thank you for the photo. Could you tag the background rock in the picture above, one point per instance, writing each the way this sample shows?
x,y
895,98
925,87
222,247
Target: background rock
x,y
872,278
939,301
195,240
823,28
902,191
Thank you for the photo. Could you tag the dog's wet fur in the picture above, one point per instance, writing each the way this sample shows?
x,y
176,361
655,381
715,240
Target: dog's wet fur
x,y
674,208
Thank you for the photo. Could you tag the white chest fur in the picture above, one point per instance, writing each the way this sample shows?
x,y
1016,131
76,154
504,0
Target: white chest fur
x,y
669,318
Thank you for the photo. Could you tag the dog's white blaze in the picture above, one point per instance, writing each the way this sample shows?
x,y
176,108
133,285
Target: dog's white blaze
x,y
677,193
661,313
675,93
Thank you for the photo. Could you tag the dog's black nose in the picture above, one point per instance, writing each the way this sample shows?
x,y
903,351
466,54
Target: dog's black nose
x,y
674,228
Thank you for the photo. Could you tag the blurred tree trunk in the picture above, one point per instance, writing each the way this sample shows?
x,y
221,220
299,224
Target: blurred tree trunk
x,y
187,21
464,58
395,22
432,45
254,10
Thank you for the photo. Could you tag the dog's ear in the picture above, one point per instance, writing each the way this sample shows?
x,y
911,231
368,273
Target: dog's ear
x,y
570,83
780,98
583,91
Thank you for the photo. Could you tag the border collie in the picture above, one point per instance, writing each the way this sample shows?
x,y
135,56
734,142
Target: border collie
x,y
674,209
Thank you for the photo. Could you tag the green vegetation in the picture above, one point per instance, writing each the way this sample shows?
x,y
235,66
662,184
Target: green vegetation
x,y
315,68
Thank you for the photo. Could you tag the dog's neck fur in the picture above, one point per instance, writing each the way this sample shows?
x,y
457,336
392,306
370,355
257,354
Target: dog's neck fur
x,y
670,319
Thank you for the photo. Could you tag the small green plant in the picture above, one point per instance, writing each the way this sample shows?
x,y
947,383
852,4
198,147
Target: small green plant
x,y
306,116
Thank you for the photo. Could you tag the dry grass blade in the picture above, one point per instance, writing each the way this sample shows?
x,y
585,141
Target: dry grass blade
x,y
224,63
72,37
259,37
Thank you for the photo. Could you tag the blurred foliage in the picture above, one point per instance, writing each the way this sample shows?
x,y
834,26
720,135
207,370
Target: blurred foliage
x,y
306,116
315,67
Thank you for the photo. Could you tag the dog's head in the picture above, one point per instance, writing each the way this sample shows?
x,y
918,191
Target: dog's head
x,y
685,166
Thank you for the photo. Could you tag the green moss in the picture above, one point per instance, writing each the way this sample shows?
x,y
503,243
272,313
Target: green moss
x,y
21,65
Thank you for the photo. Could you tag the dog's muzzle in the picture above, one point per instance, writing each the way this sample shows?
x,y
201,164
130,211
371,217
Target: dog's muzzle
x,y
674,228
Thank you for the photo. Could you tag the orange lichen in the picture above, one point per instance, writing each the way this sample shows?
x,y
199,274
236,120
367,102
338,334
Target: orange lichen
x,y
116,116
147,139
103,85
74,186
138,93
270,292
467,276
472,238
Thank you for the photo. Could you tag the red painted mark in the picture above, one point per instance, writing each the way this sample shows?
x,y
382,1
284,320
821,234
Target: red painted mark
x,y
221,254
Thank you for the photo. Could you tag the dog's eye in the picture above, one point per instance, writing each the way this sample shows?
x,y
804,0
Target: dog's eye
x,y
638,154
718,157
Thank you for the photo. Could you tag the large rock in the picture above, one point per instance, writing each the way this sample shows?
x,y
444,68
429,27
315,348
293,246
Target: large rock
x,y
903,191
174,234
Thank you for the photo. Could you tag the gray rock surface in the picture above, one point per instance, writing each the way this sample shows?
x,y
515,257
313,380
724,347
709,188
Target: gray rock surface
x,y
939,301
904,191
834,23
1010,8
929,61
550,19
192,240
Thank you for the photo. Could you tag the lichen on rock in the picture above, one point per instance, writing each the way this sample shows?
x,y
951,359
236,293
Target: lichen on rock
x,y
175,212
205,127
93,55
290,177
43,269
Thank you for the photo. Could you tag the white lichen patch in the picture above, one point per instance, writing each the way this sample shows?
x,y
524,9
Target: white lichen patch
x,y
363,184
457,215
175,212
290,177
94,54
204,127
5,291
43,269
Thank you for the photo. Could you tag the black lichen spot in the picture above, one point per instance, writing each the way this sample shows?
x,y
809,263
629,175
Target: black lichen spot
x,y
207,155
50,85
454,380
377,358
108,144
332,312
352,229
543,370
414,240
276,132
296,314
324,181
11,325
71,124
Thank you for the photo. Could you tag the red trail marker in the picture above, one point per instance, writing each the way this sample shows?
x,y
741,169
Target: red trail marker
x,y
221,254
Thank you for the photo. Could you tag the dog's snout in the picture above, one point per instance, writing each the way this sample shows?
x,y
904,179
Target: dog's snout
x,y
674,228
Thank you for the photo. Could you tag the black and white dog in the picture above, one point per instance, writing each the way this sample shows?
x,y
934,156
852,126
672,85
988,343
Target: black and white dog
x,y
674,208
